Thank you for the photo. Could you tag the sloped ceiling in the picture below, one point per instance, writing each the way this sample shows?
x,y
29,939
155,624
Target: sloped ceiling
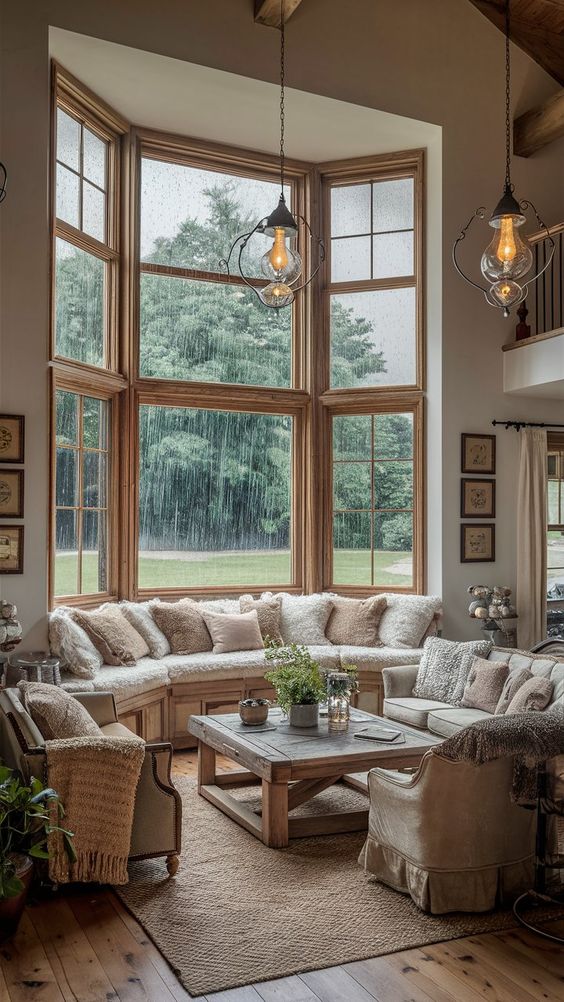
x,y
537,27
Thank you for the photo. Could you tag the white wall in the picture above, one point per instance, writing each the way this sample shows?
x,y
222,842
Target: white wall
x,y
439,62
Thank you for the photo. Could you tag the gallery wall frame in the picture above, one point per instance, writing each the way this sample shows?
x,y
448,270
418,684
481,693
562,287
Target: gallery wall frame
x,y
477,454
477,543
12,438
11,549
477,498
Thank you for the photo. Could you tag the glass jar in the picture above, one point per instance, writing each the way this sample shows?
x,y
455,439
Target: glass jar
x,y
339,688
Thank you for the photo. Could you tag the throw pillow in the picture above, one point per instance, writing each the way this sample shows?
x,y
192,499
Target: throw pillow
x,y
535,694
57,713
354,621
115,638
485,684
303,618
140,616
407,618
514,681
444,668
268,613
69,642
183,626
234,633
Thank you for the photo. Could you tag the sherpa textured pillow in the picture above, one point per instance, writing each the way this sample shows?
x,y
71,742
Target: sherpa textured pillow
x,y
57,713
140,616
407,618
234,633
69,642
303,618
112,634
534,694
354,621
485,684
513,683
268,612
445,666
183,625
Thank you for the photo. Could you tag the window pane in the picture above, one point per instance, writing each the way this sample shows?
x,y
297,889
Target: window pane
x,y
68,140
94,480
393,255
212,333
352,437
66,414
215,498
393,436
393,549
79,304
94,553
392,205
66,553
351,548
350,210
93,211
190,217
393,485
373,338
94,158
68,196
555,548
553,492
351,485
94,423
67,477
350,259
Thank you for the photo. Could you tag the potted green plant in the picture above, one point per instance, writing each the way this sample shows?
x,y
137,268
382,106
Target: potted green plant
x,y
28,814
298,682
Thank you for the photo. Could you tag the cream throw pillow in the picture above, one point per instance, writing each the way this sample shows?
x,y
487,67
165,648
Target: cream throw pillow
x,y
69,642
407,618
304,618
57,713
234,633
445,666
141,618
485,684
534,694
354,621
268,612
183,626
117,640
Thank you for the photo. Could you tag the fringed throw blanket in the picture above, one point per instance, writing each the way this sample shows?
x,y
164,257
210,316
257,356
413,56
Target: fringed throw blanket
x,y
96,779
531,738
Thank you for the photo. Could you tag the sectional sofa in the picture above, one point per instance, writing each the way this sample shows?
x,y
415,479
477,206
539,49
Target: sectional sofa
x,y
156,697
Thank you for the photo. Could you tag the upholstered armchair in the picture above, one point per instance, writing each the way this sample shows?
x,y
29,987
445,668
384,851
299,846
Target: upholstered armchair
x,y
158,808
449,835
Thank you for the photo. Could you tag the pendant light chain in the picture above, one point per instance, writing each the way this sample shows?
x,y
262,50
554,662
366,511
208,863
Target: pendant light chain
x,y
507,97
282,68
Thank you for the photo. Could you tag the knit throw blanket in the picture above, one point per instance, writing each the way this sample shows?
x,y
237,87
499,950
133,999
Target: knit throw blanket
x,y
531,738
96,779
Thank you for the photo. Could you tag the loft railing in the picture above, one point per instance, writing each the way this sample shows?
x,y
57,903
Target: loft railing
x,y
545,299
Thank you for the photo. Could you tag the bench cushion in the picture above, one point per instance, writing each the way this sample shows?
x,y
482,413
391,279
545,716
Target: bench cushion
x,y
376,658
127,681
448,721
411,710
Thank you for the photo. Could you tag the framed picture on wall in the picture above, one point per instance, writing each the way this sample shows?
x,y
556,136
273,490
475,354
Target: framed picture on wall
x,y
12,430
477,498
11,549
477,543
11,493
478,454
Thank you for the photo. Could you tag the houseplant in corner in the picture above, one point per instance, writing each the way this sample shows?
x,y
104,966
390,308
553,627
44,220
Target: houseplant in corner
x,y
299,684
28,814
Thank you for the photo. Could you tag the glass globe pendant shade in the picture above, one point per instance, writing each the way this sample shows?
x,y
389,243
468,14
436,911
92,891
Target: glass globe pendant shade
x,y
281,263
506,293
507,256
276,294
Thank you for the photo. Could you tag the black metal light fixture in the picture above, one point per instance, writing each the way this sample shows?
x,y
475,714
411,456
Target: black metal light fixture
x,y
507,259
282,263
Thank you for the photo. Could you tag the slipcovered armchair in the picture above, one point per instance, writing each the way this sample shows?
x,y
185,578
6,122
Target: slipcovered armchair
x,y
449,835
158,808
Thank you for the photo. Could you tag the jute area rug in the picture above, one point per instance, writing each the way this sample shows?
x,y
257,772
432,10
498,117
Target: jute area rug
x,y
238,912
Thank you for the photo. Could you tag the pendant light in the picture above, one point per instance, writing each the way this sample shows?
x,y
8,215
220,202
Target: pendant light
x,y
281,264
507,259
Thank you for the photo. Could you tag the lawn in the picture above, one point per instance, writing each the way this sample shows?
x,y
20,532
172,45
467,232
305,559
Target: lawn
x,y
231,570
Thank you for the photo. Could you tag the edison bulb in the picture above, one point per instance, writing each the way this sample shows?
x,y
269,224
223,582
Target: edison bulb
x,y
281,263
507,256
276,294
506,293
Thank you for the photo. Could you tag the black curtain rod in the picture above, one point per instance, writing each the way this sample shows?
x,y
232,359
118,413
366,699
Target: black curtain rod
x,y
525,424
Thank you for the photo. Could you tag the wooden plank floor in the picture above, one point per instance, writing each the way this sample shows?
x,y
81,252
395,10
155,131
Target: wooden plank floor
x,y
84,946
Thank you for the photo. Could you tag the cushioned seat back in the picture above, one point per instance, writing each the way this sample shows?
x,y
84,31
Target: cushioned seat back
x,y
539,664
18,733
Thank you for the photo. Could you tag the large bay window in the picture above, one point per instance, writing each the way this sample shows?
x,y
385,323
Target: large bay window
x,y
201,441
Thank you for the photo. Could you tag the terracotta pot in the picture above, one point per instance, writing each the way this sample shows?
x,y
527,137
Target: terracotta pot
x,y
11,909
304,715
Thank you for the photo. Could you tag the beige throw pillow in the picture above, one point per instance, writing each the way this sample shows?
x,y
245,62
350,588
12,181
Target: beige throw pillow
x,y
534,694
183,626
117,640
354,621
57,713
234,633
268,612
513,683
485,684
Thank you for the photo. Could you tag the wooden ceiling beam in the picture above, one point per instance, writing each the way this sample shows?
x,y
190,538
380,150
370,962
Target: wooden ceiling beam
x,y
537,27
539,127
268,11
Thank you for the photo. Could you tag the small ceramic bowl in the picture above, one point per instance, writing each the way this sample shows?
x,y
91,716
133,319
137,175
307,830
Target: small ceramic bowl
x,y
254,711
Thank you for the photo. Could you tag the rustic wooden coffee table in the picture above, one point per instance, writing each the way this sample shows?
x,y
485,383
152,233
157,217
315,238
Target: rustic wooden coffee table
x,y
295,764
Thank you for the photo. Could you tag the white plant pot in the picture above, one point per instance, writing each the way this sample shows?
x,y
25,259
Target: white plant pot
x,y
304,715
